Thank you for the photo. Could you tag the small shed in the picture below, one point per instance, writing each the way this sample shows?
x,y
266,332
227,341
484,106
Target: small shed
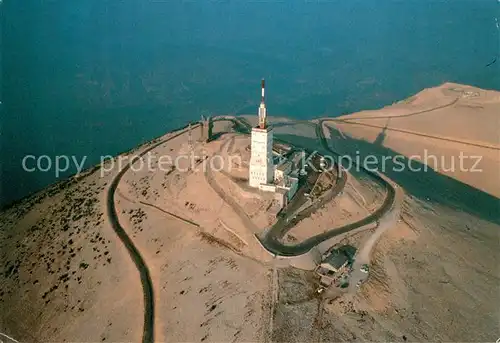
x,y
332,265
335,261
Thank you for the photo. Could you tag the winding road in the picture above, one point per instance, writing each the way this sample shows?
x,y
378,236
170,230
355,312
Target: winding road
x,y
421,134
350,121
147,284
270,239
451,103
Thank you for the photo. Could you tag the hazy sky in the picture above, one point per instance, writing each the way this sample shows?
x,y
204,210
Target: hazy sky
x,y
98,77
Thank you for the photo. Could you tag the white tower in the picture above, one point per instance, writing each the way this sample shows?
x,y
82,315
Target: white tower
x,y
261,169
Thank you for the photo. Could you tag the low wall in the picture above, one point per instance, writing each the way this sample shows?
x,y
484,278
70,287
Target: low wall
x,y
311,259
306,261
267,188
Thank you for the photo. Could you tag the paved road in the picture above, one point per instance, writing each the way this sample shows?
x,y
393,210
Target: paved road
x,y
399,116
421,134
349,120
270,239
147,284
363,255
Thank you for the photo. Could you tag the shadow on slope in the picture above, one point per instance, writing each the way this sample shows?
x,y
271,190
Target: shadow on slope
x,y
426,184
292,123
422,182
312,144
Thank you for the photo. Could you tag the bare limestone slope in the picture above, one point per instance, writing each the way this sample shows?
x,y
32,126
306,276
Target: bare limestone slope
x,y
439,264
65,276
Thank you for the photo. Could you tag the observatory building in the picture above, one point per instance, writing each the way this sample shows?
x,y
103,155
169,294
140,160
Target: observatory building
x,y
282,178
261,169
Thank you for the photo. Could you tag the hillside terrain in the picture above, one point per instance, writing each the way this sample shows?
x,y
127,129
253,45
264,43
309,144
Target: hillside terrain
x,y
123,253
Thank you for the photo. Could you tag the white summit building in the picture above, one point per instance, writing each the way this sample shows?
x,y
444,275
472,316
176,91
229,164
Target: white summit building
x,y
261,170
282,178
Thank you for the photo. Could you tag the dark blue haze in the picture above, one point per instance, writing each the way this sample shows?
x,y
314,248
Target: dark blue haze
x,y
100,77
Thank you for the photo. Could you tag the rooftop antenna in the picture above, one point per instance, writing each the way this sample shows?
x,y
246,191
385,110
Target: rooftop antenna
x,y
263,86
262,107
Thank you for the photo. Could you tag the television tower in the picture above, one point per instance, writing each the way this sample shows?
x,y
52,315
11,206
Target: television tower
x,y
262,107
261,168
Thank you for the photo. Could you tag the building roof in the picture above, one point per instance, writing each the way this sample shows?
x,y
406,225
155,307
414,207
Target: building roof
x,y
336,259
281,190
259,129
283,148
297,156
284,166
348,250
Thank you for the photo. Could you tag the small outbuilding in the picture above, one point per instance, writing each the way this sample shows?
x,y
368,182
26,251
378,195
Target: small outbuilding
x,y
282,170
335,263
281,197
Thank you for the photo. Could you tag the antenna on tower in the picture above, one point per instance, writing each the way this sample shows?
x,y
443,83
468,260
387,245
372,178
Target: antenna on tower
x,y
263,87
262,107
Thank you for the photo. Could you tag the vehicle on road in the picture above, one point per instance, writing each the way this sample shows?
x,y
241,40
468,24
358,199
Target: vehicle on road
x,y
364,268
